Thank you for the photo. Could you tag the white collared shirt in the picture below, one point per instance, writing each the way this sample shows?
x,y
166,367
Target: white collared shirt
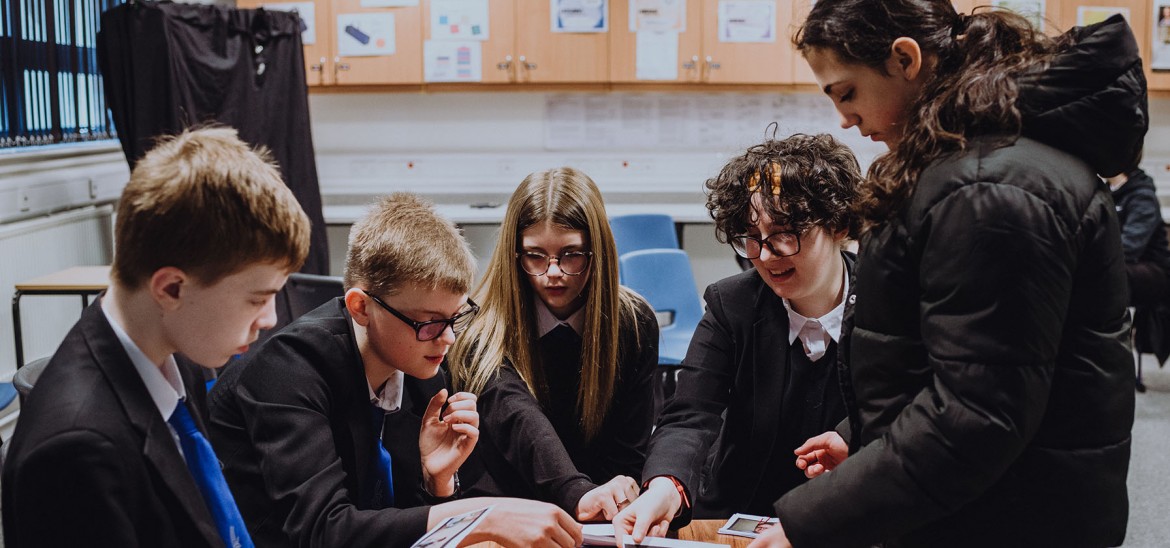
x,y
829,325
163,383
389,398
546,321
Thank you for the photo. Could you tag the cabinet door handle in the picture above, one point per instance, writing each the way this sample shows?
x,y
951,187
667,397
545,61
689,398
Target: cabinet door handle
x,y
319,66
711,64
694,62
528,66
507,64
339,66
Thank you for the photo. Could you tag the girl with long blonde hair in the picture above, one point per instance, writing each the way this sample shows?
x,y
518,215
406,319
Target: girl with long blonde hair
x,y
560,355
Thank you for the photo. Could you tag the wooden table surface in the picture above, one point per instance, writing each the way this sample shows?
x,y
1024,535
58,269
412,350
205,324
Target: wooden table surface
x,y
78,278
703,530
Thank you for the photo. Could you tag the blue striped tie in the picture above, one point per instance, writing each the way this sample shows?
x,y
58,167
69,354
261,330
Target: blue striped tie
x,y
384,487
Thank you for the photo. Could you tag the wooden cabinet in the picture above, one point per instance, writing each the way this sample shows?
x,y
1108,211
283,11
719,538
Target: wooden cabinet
x,y
702,56
521,47
325,64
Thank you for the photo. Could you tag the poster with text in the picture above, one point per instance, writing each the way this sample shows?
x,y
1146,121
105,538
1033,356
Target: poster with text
x,y
459,19
579,15
1160,44
1032,10
365,34
747,21
658,15
447,61
1089,15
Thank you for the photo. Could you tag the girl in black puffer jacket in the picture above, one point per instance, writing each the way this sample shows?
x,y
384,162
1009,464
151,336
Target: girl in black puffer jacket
x,y
989,384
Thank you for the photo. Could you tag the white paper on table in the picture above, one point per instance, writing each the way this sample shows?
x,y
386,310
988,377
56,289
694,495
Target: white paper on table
x,y
445,61
656,55
579,15
598,534
628,542
459,20
365,34
747,21
658,15
308,13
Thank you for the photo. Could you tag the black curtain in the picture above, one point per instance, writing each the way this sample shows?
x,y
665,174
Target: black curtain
x,y
168,66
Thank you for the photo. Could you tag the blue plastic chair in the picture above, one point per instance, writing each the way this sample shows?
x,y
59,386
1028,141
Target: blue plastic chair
x,y
643,231
664,278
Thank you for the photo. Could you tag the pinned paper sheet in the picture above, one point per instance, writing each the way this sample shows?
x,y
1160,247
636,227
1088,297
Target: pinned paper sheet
x,y
1032,10
388,3
445,61
1160,44
579,15
365,34
656,55
308,13
747,21
1088,15
459,19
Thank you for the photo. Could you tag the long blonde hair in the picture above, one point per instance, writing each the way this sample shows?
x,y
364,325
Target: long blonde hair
x,y
505,331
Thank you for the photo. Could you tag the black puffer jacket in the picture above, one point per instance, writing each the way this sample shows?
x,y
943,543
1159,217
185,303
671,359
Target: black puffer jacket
x,y
992,390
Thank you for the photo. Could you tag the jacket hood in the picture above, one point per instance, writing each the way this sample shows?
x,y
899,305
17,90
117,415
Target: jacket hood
x,y
1090,99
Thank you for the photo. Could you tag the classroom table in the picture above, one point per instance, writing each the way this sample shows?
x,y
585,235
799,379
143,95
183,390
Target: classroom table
x,y
79,280
703,530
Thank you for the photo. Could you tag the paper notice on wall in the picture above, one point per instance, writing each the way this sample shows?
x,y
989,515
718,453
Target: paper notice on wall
x,y
1160,44
656,55
747,21
1088,15
388,3
365,34
459,19
308,13
1032,10
658,15
446,61
579,15
564,122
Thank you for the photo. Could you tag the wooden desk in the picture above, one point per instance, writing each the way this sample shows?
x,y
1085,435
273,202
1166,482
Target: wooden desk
x,y
79,280
702,530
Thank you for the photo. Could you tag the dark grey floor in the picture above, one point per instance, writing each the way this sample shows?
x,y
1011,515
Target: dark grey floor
x,y
1149,470
1149,467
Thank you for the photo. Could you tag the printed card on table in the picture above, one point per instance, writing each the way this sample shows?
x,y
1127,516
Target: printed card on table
x,y
747,525
450,531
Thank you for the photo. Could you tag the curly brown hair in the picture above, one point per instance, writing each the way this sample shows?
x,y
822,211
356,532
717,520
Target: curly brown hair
x,y
814,180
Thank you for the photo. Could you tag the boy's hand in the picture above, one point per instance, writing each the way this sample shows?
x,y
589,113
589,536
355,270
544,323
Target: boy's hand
x,y
445,442
821,454
519,523
604,502
774,537
650,515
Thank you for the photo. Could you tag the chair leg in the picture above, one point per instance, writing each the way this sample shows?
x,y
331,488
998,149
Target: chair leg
x,y
1141,387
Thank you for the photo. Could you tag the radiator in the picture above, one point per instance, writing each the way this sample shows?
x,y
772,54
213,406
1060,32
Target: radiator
x,y
42,246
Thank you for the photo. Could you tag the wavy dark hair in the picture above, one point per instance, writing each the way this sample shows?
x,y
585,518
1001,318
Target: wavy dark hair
x,y
972,90
818,181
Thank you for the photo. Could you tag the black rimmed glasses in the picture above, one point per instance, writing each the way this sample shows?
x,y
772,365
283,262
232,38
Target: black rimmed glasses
x,y
431,330
572,263
781,244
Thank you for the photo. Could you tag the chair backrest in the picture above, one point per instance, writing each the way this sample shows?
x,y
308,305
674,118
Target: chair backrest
x,y
664,278
26,377
308,291
643,231
301,294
